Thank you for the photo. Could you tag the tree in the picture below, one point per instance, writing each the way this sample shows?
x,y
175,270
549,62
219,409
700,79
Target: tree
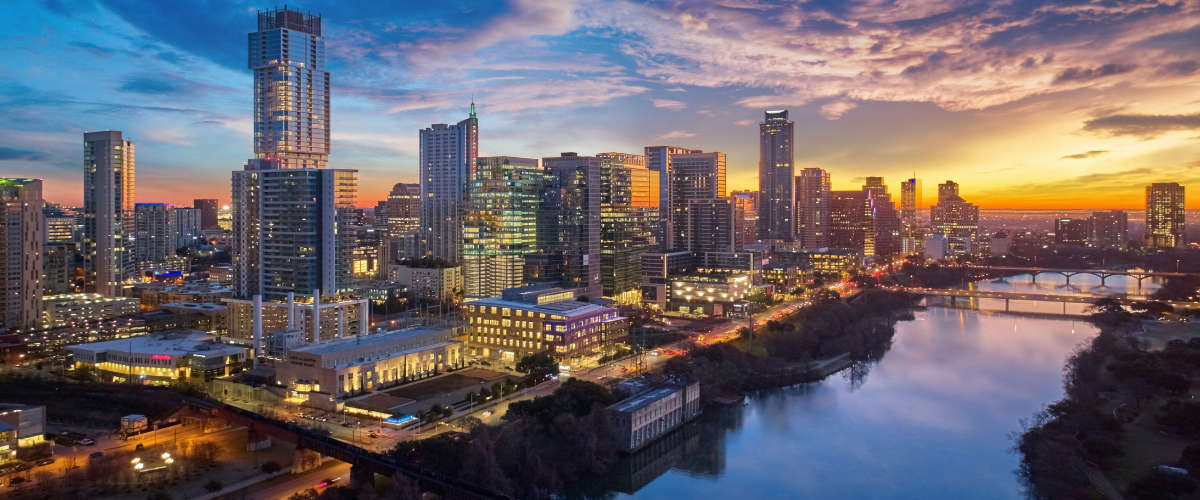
x,y
469,423
1174,383
538,365
158,495
1156,485
404,488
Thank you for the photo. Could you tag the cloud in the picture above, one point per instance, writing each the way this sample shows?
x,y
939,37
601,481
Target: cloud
x,y
835,110
669,104
1083,75
1181,68
1142,126
151,85
675,134
12,154
745,123
1084,155
676,89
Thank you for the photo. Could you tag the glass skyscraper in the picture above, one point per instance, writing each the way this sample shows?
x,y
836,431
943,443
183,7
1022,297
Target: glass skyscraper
x,y
500,226
108,187
448,155
776,165
291,89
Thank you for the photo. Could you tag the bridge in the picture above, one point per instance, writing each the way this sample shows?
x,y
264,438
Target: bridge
x,y
363,463
1045,297
1103,274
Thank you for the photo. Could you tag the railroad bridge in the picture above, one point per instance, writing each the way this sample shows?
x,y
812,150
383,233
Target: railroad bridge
x,y
363,463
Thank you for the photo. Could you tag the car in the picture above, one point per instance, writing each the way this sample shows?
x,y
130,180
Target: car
x,y
345,424
86,442
44,461
327,481
655,353
373,434
487,413
23,466
96,455
16,480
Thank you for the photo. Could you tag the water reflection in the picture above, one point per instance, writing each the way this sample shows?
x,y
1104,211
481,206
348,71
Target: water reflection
x,y
930,421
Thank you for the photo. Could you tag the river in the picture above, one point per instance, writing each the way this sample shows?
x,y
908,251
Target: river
x,y
930,420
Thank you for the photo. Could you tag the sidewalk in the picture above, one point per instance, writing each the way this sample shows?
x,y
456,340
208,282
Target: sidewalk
x,y
246,483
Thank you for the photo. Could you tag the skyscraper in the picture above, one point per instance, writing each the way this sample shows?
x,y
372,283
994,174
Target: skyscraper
x,y
629,213
658,159
711,225
776,139
156,232
188,227
1165,215
954,218
208,213
911,235
813,186
21,253
448,154
694,176
399,220
291,230
108,203
851,226
745,217
1075,232
885,217
291,89
1110,230
569,221
500,227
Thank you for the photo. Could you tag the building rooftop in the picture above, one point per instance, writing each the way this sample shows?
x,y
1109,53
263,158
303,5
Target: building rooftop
x,y
641,400
198,307
567,308
176,343
359,341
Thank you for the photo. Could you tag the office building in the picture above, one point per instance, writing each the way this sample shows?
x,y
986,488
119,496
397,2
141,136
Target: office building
x,y
188,223
1072,232
400,218
291,89
154,294
698,282
695,176
292,230
776,182
645,417
1110,230
58,269
155,234
500,226
21,253
540,318
954,219
851,226
346,367
108,204
813,215
885,218
658,161
569,223
208,213
910,200
711,226
448,154
225,218
938,247
1165,216
629,215
745,217
26,423
429,281
162,359
1001,244
334,318
80,308
58,225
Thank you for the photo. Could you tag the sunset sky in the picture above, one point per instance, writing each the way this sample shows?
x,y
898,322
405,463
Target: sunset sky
x,y
1027,104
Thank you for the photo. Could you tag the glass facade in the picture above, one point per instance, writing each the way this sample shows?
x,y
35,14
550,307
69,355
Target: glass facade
x,y
291,89
108,205
500,227
629,211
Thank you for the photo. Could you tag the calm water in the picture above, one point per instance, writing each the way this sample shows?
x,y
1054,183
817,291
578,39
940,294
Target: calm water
x,y
930,420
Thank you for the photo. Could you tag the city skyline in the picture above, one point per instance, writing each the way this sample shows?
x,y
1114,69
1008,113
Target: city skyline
x,y
1058,121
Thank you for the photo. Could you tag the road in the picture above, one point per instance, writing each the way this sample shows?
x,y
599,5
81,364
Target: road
x,y
296,484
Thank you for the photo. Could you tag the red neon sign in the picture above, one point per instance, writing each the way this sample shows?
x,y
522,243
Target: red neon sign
x,y
157,356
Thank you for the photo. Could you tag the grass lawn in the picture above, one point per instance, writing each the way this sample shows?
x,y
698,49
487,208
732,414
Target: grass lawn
x,y
1145,448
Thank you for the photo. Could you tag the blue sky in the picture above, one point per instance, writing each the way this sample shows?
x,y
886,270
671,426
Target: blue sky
x,y
1064,103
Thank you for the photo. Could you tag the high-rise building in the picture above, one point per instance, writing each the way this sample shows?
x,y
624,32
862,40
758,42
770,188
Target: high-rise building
x,y
58,269
21,253
500,227
745,218
448,154
850,225
658,160
954,218
108,200
1075,232
885,218
291,230
711,225
58,225
911,234
399,218
291,89
1110,230
569,223
1165,215
156,232
813,186
695,176
776,213
188,227
208,213
629,214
